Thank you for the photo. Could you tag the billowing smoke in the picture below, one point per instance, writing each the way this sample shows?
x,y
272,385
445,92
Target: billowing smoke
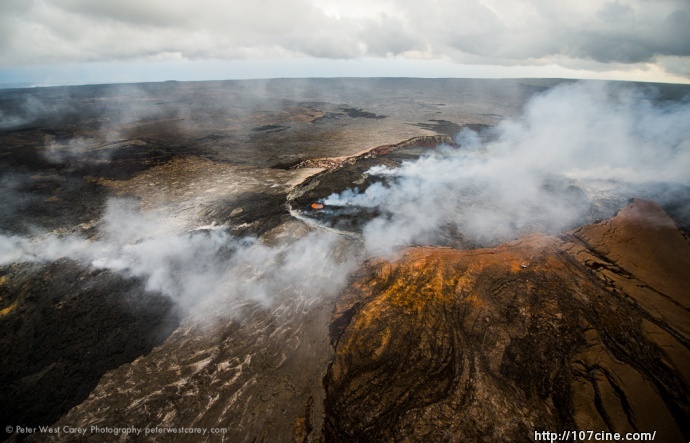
x,y
577,151
196,268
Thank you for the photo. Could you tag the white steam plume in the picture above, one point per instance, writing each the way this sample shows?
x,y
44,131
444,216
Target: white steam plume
x,y
574,146
197,267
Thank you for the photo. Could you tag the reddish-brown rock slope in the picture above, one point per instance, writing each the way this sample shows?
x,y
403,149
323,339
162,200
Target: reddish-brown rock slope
x,y
588,330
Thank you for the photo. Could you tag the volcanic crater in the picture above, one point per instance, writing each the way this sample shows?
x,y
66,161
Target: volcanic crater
x,y
587,328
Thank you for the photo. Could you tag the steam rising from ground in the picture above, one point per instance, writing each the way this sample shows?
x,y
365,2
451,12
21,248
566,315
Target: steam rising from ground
x,y
198,268
576,146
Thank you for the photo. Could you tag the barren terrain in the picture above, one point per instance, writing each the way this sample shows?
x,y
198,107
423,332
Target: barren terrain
x,y
272,322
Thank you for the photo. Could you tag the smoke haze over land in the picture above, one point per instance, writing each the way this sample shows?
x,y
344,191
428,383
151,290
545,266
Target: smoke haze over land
x,y
196,267
175,229
578,151
576,147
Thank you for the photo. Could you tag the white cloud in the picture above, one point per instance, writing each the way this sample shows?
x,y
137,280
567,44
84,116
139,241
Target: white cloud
x,y
631,33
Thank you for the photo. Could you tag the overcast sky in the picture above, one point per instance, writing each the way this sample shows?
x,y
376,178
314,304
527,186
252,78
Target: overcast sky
x,y
101,41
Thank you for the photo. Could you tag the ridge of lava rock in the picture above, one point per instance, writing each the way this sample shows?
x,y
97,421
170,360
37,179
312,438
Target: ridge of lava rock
x,y
544,333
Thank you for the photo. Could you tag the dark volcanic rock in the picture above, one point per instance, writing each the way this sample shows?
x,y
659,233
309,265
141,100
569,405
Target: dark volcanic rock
x,y
586,331
270,128
443,345
257,376
351,173
62,327
358,113
441,127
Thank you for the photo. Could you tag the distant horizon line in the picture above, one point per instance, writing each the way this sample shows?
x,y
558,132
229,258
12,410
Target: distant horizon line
x,y
31,85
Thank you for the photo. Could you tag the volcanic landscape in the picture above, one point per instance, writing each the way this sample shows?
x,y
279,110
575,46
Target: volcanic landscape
x,y
345,260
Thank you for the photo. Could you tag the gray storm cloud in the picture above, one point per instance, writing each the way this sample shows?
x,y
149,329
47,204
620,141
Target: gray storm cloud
x,y
478,32
578,150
